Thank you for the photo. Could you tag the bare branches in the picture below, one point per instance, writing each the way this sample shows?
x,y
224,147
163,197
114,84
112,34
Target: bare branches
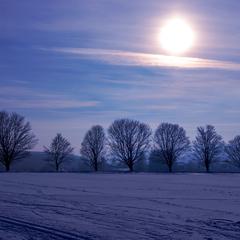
x,y
233,151
92,147
59,150
170,143
129,140
207,146
16,138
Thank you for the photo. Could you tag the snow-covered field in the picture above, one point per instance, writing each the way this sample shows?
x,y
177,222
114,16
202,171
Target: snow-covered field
x,y
119,206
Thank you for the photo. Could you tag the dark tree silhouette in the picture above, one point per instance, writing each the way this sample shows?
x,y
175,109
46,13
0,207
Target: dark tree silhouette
x,y
128,141
233,151
16,138
58,151
207,146
92,147
170,143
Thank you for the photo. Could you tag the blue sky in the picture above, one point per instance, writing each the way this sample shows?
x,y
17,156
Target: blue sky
x,y
67,65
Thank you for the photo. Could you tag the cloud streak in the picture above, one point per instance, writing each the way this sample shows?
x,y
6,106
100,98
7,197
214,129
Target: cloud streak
x,y
25,98
126,58
46,104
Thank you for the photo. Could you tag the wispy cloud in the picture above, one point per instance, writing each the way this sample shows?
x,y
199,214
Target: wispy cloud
x,y
157,107
45,103
22,98
127,58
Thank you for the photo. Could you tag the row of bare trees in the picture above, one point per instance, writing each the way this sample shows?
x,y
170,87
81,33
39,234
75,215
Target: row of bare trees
x,y
128,141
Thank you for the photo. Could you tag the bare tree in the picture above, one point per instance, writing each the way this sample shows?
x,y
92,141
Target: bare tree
x,y
128,141
92,147
16,138
233,151
207,146
170,143
58,151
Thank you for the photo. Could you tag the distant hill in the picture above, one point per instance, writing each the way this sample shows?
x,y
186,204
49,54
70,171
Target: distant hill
x,y
37,162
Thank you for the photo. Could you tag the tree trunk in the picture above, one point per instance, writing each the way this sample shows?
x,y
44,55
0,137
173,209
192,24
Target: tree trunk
x,y
207,168
95,166
170,168
207,165
7,167
130,167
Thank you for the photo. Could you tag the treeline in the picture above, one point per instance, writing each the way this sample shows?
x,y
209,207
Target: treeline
x,y
128,142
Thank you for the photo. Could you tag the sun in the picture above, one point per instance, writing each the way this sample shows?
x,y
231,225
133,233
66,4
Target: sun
x,y
176,36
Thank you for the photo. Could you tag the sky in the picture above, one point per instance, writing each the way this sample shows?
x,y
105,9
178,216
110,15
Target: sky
x,y
69,64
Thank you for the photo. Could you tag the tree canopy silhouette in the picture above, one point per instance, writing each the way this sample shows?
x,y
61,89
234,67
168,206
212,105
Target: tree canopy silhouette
x,y
16,138
170,143
129,141
92,147
207,146
58,151
233,151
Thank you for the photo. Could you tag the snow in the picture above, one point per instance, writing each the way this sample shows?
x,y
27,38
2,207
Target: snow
x,y
119,206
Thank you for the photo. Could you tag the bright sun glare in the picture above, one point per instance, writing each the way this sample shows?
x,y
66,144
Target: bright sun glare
x,y
176,36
